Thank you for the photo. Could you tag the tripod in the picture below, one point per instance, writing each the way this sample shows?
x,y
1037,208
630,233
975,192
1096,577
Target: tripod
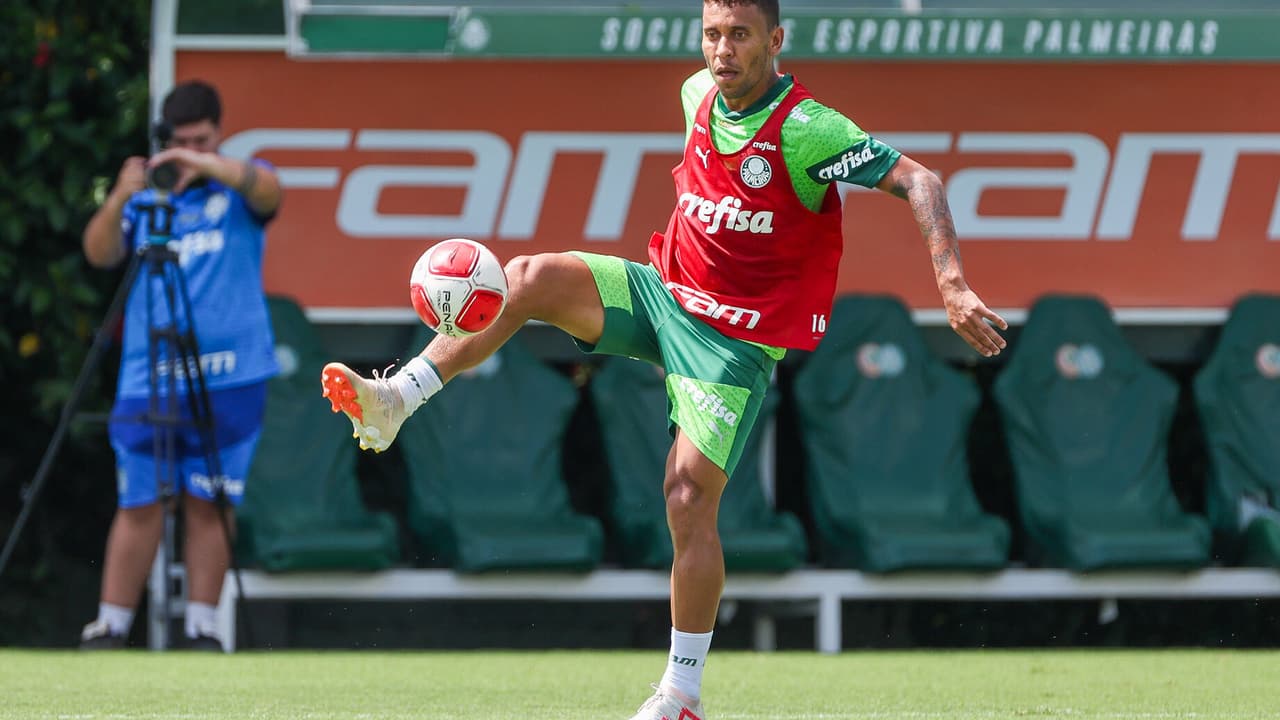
x,y
172,352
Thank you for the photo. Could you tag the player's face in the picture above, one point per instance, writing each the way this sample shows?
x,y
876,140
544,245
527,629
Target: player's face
x,y
739,49
202,136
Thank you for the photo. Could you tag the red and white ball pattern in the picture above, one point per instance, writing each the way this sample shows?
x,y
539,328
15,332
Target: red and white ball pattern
x,y
458,287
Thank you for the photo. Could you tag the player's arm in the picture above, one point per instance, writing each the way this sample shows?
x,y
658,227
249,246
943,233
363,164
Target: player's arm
x,y
923,191
833,148
103,244
257,183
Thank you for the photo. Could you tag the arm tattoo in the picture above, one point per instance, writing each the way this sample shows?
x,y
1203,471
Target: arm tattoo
x,y
249,181
929,206
942,260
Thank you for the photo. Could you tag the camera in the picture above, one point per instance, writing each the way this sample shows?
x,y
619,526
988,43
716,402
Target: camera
x,y
163,177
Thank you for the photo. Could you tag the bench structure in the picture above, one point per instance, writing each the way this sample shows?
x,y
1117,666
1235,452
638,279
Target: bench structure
x,y
817,592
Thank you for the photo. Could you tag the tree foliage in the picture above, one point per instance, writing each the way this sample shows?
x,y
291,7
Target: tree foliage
x,y
73,105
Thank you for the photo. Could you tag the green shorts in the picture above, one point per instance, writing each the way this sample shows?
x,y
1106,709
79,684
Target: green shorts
x,y
715,383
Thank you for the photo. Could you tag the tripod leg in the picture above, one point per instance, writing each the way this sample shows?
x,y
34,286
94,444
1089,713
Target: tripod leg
x,y
161,584
163,413
96,351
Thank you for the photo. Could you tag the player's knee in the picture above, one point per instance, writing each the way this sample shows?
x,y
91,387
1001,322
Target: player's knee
x,y
525,273
691,510
533,281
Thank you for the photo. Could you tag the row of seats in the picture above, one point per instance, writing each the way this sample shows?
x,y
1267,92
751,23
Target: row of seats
x,y
883,425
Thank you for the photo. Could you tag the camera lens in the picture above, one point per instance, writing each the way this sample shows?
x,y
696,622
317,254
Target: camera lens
x,y
163,177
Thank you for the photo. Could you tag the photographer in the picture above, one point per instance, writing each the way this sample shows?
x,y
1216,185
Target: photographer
x,y
220,208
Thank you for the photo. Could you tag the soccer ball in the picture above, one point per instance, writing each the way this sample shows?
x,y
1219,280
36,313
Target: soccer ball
x,y
458,287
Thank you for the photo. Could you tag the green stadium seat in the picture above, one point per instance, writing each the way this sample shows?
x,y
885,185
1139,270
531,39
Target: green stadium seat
x,y
884,425
631,402
1237,394
486,488
1087,423
302,508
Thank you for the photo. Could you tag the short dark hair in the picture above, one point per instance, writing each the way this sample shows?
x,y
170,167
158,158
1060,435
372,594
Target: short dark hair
x,y
768,7
191,102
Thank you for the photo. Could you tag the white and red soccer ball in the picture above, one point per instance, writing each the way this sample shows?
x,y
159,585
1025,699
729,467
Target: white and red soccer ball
x,y
458,287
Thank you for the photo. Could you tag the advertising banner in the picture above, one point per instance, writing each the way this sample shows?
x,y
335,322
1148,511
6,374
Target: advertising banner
x,y
811,33
1151,185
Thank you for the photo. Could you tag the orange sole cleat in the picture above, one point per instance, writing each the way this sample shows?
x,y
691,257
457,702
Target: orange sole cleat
x,y
343,397
375,410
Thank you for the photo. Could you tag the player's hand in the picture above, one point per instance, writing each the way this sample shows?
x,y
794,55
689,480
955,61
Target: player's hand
x,y
975,322
191,165
132,177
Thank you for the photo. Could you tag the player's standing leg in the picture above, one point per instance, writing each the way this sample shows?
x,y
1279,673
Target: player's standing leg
x,y
693,485
557,288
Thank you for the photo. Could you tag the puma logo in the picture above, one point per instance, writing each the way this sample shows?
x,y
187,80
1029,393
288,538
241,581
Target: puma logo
x,y
704,155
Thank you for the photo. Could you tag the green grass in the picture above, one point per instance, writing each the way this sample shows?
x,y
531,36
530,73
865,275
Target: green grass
x,y
1205,685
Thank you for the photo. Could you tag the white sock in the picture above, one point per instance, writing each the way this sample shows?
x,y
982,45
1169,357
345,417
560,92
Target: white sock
x,y
118,618
201,619
416,382
684,665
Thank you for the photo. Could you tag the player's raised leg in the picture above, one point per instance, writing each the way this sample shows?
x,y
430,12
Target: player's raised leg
x,y
556,288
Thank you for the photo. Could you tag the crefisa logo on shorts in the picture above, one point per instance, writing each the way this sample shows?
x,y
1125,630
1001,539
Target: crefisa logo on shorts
x,y
1079,362
881,361
708,402
756,171
1268,359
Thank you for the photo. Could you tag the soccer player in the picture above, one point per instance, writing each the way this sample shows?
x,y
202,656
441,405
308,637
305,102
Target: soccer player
x,y
746,269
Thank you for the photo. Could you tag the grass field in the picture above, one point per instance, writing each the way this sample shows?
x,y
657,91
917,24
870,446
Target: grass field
x,y
602,685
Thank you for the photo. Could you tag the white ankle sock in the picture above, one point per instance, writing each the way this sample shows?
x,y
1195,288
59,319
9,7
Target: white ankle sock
x,y
201,619
118,618
684,665
416,382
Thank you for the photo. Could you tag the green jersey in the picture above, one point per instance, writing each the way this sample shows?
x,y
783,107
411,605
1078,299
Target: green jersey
x,y
819,145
